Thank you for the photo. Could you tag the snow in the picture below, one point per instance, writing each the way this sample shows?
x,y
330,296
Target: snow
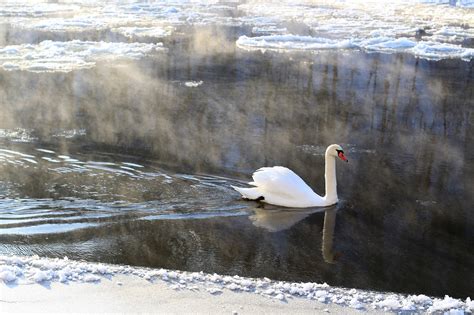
x,y
389,303
214,290
70,55
420,299
7,275
446,304
20,270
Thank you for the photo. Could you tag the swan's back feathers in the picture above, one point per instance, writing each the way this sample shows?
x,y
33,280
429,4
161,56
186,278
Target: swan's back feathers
x,y
281,181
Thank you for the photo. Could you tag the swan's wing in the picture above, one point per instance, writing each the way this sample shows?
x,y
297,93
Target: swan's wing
x,y
281,181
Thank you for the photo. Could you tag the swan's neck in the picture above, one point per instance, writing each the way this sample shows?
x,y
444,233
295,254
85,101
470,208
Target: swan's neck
x,y
330,176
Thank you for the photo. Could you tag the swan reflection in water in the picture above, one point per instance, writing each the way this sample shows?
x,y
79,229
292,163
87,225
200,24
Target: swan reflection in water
x,y
280,220
329,255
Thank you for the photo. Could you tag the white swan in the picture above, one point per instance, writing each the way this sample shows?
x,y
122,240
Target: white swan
x,y
280,186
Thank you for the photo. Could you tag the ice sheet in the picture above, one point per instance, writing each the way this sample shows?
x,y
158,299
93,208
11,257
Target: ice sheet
x,y
66,56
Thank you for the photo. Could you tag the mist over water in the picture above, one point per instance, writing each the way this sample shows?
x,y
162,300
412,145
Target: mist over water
x,y
131,162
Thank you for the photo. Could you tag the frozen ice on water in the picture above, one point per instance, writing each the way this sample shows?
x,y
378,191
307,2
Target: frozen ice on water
x,y
396,26
335,24
269,29
31,9
53,56
154,31
291,42
193,83
75,24
422,49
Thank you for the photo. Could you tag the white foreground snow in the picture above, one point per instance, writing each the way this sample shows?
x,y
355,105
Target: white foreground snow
x,y
23,278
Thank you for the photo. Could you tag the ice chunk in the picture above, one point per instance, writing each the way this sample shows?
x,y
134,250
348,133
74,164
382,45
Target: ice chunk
x,y
155,31
424,49
193,83
53,56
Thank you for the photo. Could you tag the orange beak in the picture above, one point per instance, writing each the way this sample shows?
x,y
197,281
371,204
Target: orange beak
x,y
342,156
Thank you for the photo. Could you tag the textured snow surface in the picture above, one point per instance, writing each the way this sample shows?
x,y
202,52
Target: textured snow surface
x,y
67,56
16,270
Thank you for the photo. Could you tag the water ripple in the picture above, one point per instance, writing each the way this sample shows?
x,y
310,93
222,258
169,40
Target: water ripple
x,y
49,192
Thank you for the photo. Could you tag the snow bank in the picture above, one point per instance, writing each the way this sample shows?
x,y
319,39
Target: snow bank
x,y
66,56
422,49
15,270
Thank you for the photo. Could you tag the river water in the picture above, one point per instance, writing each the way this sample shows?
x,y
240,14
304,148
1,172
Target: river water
x,y
132,163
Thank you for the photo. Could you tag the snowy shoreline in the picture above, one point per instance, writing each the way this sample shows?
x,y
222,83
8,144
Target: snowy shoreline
x,y
20,274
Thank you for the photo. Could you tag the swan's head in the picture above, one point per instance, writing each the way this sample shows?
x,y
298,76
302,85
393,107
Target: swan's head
x,y
336,150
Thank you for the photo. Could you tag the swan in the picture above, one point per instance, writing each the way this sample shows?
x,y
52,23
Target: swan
x,y
280,186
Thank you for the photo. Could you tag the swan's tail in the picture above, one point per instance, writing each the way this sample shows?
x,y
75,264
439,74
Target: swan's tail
x,y
249,193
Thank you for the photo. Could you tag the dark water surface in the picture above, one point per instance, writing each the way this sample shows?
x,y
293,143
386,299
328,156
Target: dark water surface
x,y
124,163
